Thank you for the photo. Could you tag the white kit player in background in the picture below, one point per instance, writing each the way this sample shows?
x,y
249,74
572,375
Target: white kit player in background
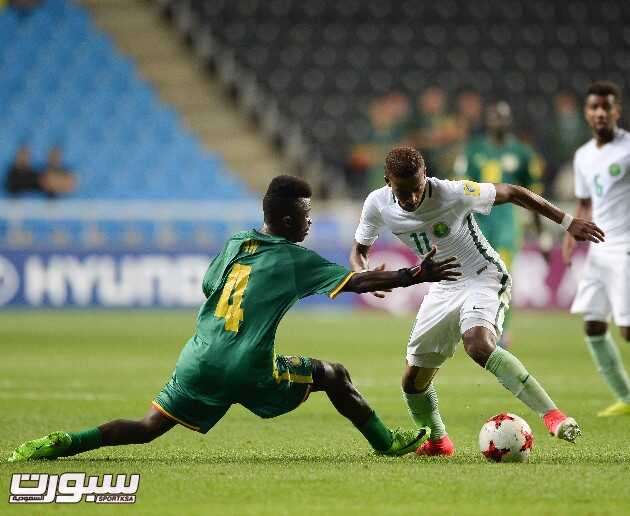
x,y
424,213
602,186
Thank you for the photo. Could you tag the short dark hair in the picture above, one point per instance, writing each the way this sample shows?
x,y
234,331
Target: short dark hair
x,y
605,88
403,161
282,195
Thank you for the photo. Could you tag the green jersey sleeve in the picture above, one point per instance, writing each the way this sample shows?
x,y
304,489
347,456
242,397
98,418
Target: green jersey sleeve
x,y
316,275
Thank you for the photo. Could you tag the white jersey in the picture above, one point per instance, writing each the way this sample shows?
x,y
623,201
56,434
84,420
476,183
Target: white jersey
x,y
603,175
444,218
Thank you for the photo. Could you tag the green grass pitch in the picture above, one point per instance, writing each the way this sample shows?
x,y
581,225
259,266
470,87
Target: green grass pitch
x,y
77,369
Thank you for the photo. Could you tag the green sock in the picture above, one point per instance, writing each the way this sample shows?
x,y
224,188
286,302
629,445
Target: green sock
x,y
377,434
608,361
86,440
424,411
512,374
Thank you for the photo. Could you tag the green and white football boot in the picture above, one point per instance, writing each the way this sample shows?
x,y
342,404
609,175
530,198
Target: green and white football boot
x,y
406,441
49,447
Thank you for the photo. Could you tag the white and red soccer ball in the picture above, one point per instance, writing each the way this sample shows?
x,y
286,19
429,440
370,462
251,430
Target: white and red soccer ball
x,y
506,438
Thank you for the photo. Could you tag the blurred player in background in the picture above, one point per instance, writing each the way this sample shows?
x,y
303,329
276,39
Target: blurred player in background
x,y
499,157
424,212
602,187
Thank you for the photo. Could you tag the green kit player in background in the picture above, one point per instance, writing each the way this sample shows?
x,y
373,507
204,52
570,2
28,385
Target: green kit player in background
x,y
249,287
499,157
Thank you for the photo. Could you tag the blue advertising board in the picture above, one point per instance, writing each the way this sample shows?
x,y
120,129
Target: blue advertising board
x,y
116,279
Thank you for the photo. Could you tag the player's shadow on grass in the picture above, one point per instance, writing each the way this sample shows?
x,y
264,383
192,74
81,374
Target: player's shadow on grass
x,y
271,459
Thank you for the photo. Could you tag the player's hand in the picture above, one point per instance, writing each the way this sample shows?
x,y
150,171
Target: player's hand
x,y
430,270
568,246
584,230
381,294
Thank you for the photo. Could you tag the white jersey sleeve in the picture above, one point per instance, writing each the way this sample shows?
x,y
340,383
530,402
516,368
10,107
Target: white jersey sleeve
x,y
371,220
475,197
581,186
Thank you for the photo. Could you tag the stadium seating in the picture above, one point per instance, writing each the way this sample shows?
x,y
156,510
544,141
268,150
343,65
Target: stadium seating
x,y
324,60
62,82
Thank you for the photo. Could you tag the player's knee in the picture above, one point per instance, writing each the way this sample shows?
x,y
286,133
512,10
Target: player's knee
x,y
479,344
330,376
595,328
340,375
479,349
478,353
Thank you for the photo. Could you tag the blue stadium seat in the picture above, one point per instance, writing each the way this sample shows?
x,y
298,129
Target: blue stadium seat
x,y
63,82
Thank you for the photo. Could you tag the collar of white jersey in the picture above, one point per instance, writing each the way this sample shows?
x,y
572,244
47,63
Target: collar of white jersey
x,y
620,133
428,186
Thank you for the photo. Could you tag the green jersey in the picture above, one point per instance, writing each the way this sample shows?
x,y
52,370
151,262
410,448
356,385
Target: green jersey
x,y
249,287
514,163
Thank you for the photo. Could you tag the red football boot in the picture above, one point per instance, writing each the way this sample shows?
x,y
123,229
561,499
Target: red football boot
x,y
443,446
561,426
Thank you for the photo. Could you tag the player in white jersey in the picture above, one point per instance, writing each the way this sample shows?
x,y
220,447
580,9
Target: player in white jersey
x,y
602,186
424,213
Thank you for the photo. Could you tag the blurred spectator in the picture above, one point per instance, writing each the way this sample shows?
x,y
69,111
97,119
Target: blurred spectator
x,y
566,132
364,167
56,179
24,6
470,114
500,157
435,131
22,177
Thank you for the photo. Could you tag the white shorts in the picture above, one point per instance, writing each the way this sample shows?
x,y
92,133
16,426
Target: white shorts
x,y
448,311
604,287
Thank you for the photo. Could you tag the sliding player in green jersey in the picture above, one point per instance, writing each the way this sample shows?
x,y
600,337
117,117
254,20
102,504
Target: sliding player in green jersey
x,y
231,358
499,157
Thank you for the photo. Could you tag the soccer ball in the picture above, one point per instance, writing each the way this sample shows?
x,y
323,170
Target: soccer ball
x,y
506,438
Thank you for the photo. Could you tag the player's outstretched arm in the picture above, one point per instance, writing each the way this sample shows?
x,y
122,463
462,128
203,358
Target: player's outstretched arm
x,y
580,229
584,211
428,270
